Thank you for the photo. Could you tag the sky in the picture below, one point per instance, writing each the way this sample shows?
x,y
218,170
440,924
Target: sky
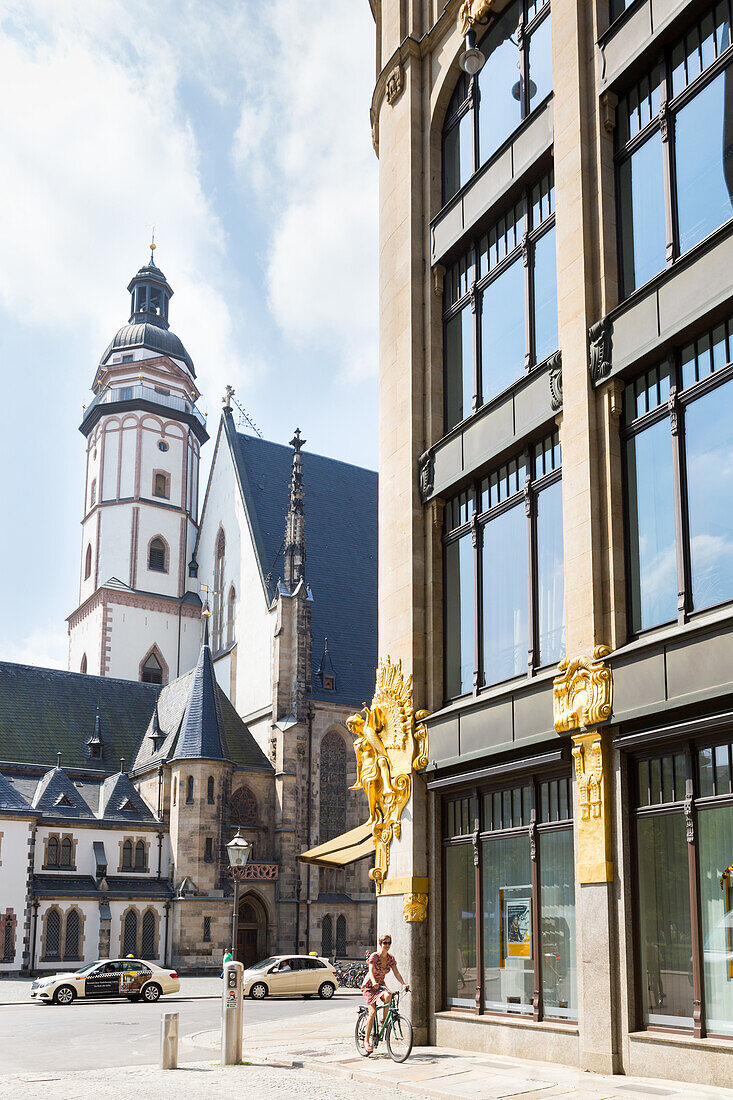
x,y
240,129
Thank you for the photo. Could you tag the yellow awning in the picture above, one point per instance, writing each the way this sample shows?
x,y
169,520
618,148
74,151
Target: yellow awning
x,y
342,850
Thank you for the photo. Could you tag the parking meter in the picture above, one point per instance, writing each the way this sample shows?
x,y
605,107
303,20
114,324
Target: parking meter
x,y
232,1015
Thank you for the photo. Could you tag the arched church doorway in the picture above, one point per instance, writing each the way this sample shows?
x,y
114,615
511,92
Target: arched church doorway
x,y
251,931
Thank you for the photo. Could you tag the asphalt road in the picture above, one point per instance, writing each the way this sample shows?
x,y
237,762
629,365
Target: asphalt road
x,y
106,1034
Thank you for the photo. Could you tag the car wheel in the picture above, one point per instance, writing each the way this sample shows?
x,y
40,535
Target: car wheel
x,y
64,995
151,993
258,992
327,991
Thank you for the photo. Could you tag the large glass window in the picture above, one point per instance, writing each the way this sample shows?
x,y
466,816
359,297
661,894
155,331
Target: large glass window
x,y
677,420
525,885
684,832
674,150
516,77
507,531
500,304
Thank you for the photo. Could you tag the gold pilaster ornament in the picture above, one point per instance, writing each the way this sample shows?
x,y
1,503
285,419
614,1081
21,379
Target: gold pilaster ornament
x,y
582,698
390,742
414,907
472,12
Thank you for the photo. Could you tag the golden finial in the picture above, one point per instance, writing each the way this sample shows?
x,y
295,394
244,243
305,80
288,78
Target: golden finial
x,y
153,245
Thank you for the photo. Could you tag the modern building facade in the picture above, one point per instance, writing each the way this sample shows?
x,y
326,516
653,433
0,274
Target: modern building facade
x,y
556,248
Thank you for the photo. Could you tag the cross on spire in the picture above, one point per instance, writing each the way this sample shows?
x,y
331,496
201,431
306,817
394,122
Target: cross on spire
x,y
297,443
228,395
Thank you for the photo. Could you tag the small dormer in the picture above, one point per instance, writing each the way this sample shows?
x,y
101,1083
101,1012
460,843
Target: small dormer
x,y
326,673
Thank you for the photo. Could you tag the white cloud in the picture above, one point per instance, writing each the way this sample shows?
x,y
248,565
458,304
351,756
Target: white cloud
x,y
95,148
48,648
315,170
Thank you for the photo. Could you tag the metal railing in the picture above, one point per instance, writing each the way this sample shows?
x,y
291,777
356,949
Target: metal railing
x,y
140,392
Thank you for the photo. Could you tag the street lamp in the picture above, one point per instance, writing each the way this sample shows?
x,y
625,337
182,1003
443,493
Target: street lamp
x,y
473,60
238,851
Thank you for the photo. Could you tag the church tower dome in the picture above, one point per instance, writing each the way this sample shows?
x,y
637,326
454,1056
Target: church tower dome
x,y
136,618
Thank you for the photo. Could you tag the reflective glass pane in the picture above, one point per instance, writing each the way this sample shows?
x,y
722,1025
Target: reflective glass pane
x,y
664,915
458,367
722,770
715,839
458,617
550,576
499,104
703,155
506,630
705,765
457,160
507,903
545,297
641,211
460,926
502,331
709,450
652,543
557,925
540,64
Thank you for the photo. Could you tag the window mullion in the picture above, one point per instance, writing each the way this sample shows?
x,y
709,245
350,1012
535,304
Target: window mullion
x,y
528,261
523,43
531,513
476,311
666,130
478,885
534,854
478,626
678,478
698,994
474,95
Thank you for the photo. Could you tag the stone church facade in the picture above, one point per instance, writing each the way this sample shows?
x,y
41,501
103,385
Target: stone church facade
x,y
213,660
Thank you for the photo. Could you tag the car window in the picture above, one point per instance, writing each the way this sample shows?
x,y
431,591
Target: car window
x,y
309,964
134,965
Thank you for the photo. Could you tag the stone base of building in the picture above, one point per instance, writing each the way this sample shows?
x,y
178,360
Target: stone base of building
x,y
545,1041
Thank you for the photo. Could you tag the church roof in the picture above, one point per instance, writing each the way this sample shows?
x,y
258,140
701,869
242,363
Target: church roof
x,y
10,798
56,794
153,337
341,550
119,800
44,711
202,732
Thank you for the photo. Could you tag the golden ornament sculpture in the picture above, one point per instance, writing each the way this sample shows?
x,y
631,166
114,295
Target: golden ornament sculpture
x,y
414,907
390,741
583,694
582,697
472,12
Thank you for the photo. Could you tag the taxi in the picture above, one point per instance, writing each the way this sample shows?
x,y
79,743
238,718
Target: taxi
x,y
131,978
304,974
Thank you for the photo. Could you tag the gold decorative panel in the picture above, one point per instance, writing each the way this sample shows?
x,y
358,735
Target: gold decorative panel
x,y
390,742
583,692
592,822
472,12
414,907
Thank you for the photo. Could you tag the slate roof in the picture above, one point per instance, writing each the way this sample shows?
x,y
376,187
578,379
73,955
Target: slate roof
x,y
341,550
202,732
127,886
44,711
56,794
153,337
10,798
116,795
241,746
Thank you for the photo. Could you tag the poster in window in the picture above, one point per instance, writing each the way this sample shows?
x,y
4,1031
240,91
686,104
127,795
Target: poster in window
x,y
518,928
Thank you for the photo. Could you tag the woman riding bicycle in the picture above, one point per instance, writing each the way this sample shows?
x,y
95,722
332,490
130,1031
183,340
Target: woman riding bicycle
x,y
373,988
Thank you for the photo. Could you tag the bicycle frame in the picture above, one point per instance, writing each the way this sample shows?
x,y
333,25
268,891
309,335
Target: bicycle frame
x,y
390,1015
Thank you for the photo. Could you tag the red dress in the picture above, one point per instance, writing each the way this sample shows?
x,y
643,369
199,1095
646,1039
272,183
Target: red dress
x,y
370,991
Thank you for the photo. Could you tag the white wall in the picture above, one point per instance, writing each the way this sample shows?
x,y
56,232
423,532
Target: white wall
x,y
135,630
111,838
13,880
86,637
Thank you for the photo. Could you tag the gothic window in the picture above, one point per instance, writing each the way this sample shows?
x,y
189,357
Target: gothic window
x,y
333,786
221,545
140,856
341,936
129,933
207,929
88,563
327,937
53,934
210,791
152,671
93,497
160,486
156,556
71,937
147,946
189,789
243,809
66,852
8,939
175,791
127,856
230,615
83,666
209,850
52,852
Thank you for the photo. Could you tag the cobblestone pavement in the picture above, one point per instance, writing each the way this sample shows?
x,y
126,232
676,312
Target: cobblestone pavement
x,y
194,1080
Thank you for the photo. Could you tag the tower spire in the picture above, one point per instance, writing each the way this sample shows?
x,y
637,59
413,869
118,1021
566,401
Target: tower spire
x,y
294,555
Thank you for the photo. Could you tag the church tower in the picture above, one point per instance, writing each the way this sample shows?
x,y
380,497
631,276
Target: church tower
x,y
138,616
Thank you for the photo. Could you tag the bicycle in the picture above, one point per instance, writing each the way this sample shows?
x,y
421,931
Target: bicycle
x,y
396,1029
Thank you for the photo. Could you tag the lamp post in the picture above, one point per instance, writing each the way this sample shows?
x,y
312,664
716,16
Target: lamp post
x,y
472,60
238,851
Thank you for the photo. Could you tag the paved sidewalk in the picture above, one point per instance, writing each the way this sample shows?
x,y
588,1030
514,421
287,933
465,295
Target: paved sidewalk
x,y
320,1045
17,990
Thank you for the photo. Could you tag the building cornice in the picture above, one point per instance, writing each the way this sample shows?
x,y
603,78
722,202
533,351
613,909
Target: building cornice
x,y
147,601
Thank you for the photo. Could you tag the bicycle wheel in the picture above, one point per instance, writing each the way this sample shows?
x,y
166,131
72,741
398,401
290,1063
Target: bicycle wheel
x,y
399,1038
360,1033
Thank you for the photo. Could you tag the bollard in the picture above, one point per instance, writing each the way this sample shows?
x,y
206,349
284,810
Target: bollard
x,y
169,1040
232,1015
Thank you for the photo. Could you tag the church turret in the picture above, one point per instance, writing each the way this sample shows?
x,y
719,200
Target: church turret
x,y
294,549
138,613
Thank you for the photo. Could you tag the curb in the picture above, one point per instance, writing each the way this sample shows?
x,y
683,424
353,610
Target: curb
x,y
334,1070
